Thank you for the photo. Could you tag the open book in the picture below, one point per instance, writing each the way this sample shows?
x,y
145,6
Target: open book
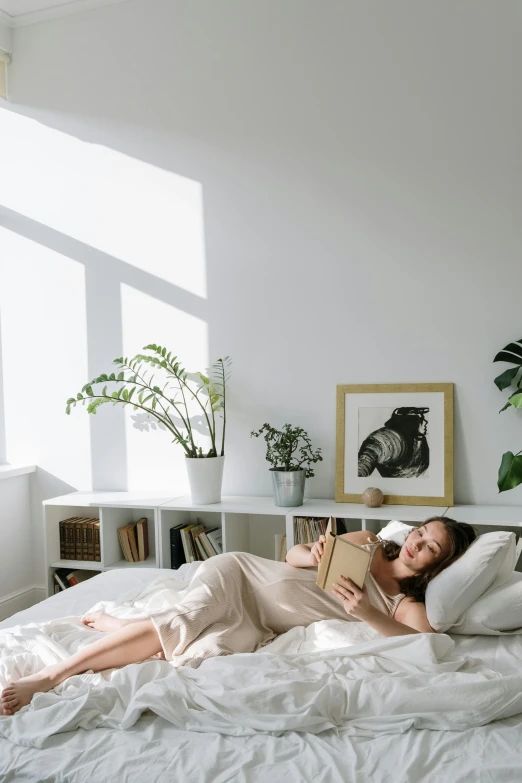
x,y
341,557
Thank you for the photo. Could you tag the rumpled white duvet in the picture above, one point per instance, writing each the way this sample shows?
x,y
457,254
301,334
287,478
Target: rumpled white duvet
x,y
329,675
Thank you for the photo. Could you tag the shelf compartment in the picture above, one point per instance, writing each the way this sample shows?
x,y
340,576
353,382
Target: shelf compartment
x,y
111,520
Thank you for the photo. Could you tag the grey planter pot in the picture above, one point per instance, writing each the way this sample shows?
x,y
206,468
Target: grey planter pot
x,y
289,486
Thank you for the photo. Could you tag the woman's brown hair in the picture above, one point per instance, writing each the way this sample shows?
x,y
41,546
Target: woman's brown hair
x,y
461,536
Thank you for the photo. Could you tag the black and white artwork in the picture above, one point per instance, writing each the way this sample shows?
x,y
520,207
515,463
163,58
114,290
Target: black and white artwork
x,y
397,437
393,442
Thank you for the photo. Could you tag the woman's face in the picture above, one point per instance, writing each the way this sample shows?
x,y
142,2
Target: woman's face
x,y
425,547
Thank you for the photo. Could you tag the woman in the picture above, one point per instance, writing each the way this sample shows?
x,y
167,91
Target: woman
x,y
238,602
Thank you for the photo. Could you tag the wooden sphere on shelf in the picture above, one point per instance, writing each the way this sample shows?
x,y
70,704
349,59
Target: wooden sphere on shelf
x,y
372,497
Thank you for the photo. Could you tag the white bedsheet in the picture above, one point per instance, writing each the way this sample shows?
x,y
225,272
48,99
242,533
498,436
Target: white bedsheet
x,y
309,689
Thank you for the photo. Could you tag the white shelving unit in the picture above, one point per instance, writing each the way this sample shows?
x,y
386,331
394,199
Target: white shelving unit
x,y
248,523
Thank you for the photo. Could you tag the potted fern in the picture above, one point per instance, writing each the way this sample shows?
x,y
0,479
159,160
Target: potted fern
x,y
510,470
290,452
182,403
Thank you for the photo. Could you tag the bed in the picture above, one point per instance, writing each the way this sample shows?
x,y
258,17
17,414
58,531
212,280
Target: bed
x,y
154,749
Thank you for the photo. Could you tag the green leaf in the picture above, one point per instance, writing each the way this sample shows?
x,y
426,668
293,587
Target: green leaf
x,y
71,400
68,409
121,375
506,378
510,471
112,377
125,395
94,405
511,353
79,396
104,392
516,400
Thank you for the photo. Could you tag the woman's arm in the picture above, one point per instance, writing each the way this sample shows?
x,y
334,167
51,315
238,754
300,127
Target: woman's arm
x,y
301,555
410,616
309,555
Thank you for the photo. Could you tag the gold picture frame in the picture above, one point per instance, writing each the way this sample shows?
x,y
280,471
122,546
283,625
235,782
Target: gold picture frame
x,y
415,456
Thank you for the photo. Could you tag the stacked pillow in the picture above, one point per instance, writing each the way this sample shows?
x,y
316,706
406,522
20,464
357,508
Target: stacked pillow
x,y
479,592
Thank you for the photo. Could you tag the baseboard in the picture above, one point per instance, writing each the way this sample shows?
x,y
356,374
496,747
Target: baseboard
x,y
21,599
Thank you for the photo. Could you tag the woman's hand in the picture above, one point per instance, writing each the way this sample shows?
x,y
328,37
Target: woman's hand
x,y
355,601
317,550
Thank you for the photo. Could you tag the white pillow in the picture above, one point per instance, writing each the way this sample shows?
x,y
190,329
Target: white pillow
x,y
395,531
497,612
490,559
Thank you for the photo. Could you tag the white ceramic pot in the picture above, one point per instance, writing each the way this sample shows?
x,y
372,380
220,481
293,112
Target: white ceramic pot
x,y
205,477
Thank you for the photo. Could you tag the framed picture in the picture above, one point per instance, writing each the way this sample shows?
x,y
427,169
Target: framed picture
x,y
397,437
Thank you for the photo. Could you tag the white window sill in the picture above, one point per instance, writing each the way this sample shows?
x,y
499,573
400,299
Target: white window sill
x,y
8,471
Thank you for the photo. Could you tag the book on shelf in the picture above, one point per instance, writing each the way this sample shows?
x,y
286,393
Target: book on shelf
x,y
341,557
177,552
190,542
207,543
77,538
143,538
61,527
96,536
125,543
63,578
134,541
215,536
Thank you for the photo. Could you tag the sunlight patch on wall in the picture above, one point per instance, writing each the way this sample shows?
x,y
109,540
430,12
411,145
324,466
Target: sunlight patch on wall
x,y
44,351
153,461
135,212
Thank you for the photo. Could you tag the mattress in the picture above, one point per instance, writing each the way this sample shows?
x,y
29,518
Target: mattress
x,y
153,749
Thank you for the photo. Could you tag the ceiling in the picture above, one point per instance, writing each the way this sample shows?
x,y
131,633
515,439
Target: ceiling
x,y
17,12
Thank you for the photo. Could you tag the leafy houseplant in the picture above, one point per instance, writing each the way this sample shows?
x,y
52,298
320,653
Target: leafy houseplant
x,y
510,471
183,404
290,452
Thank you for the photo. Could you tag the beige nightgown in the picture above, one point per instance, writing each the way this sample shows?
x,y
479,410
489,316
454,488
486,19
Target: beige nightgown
x,y
238,602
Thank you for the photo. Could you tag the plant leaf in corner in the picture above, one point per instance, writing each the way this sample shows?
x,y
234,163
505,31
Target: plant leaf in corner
x,y
510,471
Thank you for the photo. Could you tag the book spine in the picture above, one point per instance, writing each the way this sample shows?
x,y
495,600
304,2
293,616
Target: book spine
x,y
97,550
79,541
90,540
62,539
85,545
66,535
58,578
177,553
200,549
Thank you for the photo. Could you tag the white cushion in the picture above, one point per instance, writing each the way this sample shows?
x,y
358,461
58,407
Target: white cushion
x,y
490,559
395,531
497,612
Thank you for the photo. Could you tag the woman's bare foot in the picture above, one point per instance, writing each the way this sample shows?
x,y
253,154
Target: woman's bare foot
x,y
17,694
100,621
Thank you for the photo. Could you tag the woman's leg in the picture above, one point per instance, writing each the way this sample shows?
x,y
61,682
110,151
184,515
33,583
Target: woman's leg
x,y
101,621
133,643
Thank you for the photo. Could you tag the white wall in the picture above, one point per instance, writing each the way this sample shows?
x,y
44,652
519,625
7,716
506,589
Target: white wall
x,y
6,39
356,170
19,584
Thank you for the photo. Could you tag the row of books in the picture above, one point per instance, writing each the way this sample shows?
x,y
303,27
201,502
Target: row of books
x,y
308,529
80,539
134,540
193,542
64,578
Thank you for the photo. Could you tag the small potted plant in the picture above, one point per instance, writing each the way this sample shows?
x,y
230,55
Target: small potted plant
x,y
183,404
290,452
